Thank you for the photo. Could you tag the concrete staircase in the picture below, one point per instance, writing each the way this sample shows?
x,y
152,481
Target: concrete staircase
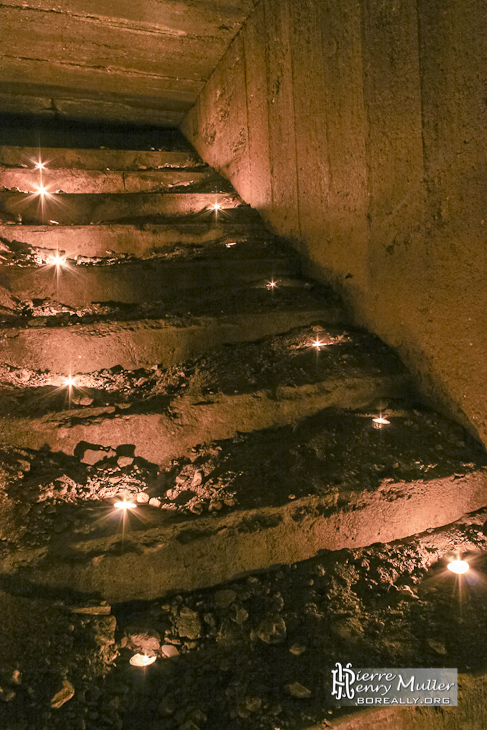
x,y
159,346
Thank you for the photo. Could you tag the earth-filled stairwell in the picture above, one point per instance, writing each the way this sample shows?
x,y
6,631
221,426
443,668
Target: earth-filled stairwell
x,y
205,467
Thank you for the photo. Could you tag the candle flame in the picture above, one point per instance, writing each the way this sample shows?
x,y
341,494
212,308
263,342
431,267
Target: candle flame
x,y
380,422
142,660
57,260
124,505
459,567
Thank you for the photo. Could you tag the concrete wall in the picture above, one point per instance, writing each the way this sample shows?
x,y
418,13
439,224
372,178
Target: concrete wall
x,y
358,129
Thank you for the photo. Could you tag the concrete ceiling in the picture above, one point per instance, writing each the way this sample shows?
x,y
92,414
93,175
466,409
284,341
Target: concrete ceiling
x,y
116,60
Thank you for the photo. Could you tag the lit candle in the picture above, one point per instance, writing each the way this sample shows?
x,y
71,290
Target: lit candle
x,y
272,284
459,567
124,505
380,422
142,660
42,191
318,344
40,165
69,382
57,260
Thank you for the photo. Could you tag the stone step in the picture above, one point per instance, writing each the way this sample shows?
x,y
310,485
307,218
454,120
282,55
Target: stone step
x,y
97,159
165,413
87,209
101,182
143,281
145,239
132,336
267,498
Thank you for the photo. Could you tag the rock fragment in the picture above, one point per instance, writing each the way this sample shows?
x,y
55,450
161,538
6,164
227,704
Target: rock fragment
x,y
272,630
298,690
63,696
188,623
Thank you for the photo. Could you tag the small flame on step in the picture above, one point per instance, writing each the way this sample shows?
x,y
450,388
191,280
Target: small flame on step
x,y
459,567
42,191
57,260
142,660
380,422
124,505
69,381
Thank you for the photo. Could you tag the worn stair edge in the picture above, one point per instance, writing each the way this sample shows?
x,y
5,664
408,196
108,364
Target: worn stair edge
x,y
100,240
85,348
86,209
209,551
101,182
162,436
137,282
97,159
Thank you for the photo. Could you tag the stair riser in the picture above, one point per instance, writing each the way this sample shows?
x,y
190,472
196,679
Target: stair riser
x,y
79,286
159,437
89,181
87,209
138,344
180,557
89,159
100,240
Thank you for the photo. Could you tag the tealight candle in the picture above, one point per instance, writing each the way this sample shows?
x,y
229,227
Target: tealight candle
x,y
142,660
380,422
459,567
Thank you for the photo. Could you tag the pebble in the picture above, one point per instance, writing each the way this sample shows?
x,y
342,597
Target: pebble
x,y
272,630
297,649
241,616
224,598
298,690
6,695
215,506
154,502
92,610
143,640
123,461
142,498
169,651
196,508
437,646
94,456
197,479
188,624
63,696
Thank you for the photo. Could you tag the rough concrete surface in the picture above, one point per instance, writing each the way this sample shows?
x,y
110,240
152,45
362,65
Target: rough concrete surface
x,y
143,62
363,138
